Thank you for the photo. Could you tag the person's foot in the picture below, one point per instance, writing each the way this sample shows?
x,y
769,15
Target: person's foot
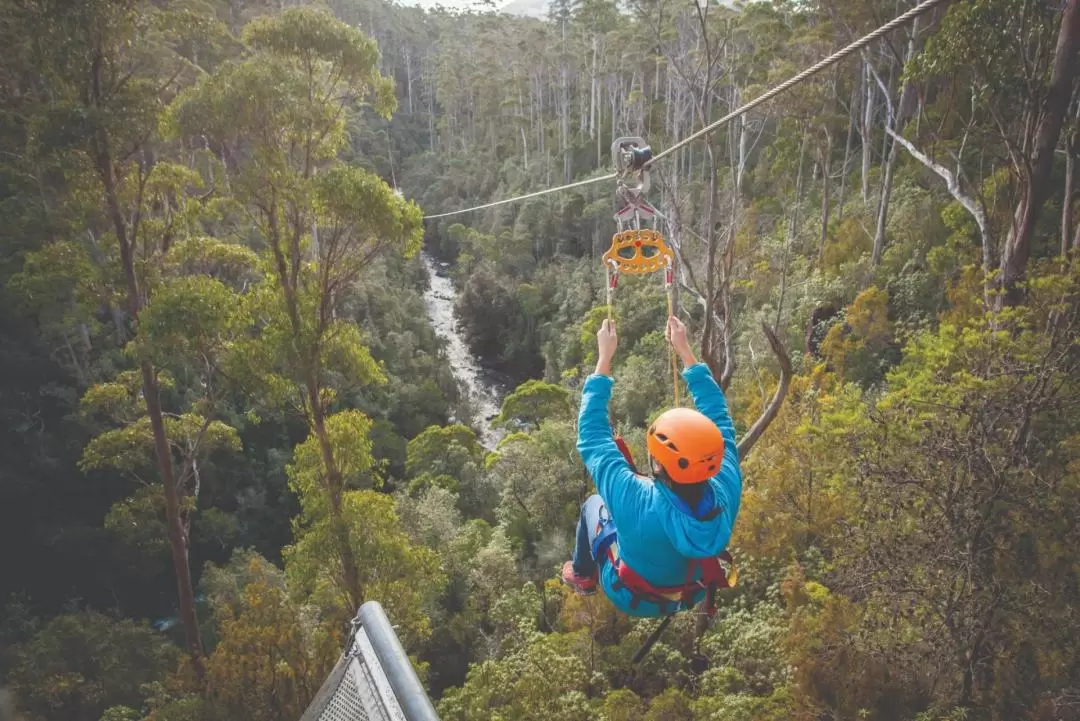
x,y
582,585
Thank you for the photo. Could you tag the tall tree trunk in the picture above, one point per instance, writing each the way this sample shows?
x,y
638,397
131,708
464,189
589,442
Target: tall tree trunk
x,y
565,120
883,207
792,230
1076,238
431,116
1036,187
826,171
1067,199
867,132
592,88
852,120
897,122
408,79
178,542
743,144
336,490
599,124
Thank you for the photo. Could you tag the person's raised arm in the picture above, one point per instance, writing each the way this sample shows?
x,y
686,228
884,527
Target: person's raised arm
x,y
615,480
710,401
708,397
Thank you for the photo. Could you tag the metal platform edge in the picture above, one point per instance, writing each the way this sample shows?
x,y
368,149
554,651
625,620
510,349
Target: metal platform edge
x,y
375,645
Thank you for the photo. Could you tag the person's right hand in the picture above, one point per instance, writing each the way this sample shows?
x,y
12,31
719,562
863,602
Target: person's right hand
x,y
676,335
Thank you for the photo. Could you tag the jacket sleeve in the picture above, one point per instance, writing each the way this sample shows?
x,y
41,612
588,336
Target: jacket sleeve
x,y
623,492
710,400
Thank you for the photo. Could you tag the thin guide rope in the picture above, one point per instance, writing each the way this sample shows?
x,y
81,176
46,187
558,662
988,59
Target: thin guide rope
x,y
769,95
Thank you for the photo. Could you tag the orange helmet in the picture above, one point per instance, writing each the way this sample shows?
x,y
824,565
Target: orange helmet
x,y
687,444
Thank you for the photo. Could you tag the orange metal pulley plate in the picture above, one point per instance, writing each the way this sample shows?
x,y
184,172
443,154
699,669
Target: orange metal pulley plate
x,y
639,251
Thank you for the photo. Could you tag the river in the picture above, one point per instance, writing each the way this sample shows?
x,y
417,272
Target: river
x,y
483,388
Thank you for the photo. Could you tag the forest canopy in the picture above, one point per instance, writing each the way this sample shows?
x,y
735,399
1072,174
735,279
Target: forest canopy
x,y
228,419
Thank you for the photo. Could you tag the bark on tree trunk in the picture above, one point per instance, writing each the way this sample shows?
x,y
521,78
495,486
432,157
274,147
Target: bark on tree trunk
x,y
867,136
793,228
565,123
592,90
826,171
1066,201
883,208
744,145
178,542
178,539
408,78
897,122
847,155
336,490
1037,186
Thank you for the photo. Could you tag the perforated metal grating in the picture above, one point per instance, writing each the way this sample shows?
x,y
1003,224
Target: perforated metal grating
x,y
356,690
346,702
359,689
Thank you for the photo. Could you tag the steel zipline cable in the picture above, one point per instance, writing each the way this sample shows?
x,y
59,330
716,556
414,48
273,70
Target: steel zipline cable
x,y
836,57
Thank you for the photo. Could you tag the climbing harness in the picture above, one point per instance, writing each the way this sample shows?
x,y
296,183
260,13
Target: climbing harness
x,y
709,574
635,250
713,576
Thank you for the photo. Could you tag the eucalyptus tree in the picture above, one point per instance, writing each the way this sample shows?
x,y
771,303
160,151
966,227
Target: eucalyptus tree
x,y
123,204
278,116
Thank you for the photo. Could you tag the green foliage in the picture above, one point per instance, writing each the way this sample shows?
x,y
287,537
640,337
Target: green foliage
x,y
80,664
539,681
904,539
497,324
188,318
542,484
622,705
347,433
534,402
451,458
138,523
645,382
131,448
446,450
310,35
200,255
748,643
271,659
432,519
404,577
854,349
352,202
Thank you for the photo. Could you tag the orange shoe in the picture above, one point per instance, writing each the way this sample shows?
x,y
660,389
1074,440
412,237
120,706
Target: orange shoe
x,y
582,585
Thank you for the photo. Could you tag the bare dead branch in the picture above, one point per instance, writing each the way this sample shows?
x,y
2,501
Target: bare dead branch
x,y
952,184
769,414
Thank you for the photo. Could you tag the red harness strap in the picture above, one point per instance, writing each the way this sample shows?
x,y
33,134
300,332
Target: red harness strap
x,y
626,452
713,577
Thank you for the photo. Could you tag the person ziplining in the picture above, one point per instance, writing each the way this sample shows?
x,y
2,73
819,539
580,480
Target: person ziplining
x,y
654,545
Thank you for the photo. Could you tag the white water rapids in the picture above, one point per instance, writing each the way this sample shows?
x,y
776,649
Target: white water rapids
x,y
483,391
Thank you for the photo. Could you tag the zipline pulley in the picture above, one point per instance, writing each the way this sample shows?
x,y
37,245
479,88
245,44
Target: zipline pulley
x,y
635,250
631,157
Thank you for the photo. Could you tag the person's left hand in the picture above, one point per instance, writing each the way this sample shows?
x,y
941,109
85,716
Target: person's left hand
x,y
606,342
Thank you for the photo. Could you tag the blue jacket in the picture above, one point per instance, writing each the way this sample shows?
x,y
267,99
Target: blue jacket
x,y
657,531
